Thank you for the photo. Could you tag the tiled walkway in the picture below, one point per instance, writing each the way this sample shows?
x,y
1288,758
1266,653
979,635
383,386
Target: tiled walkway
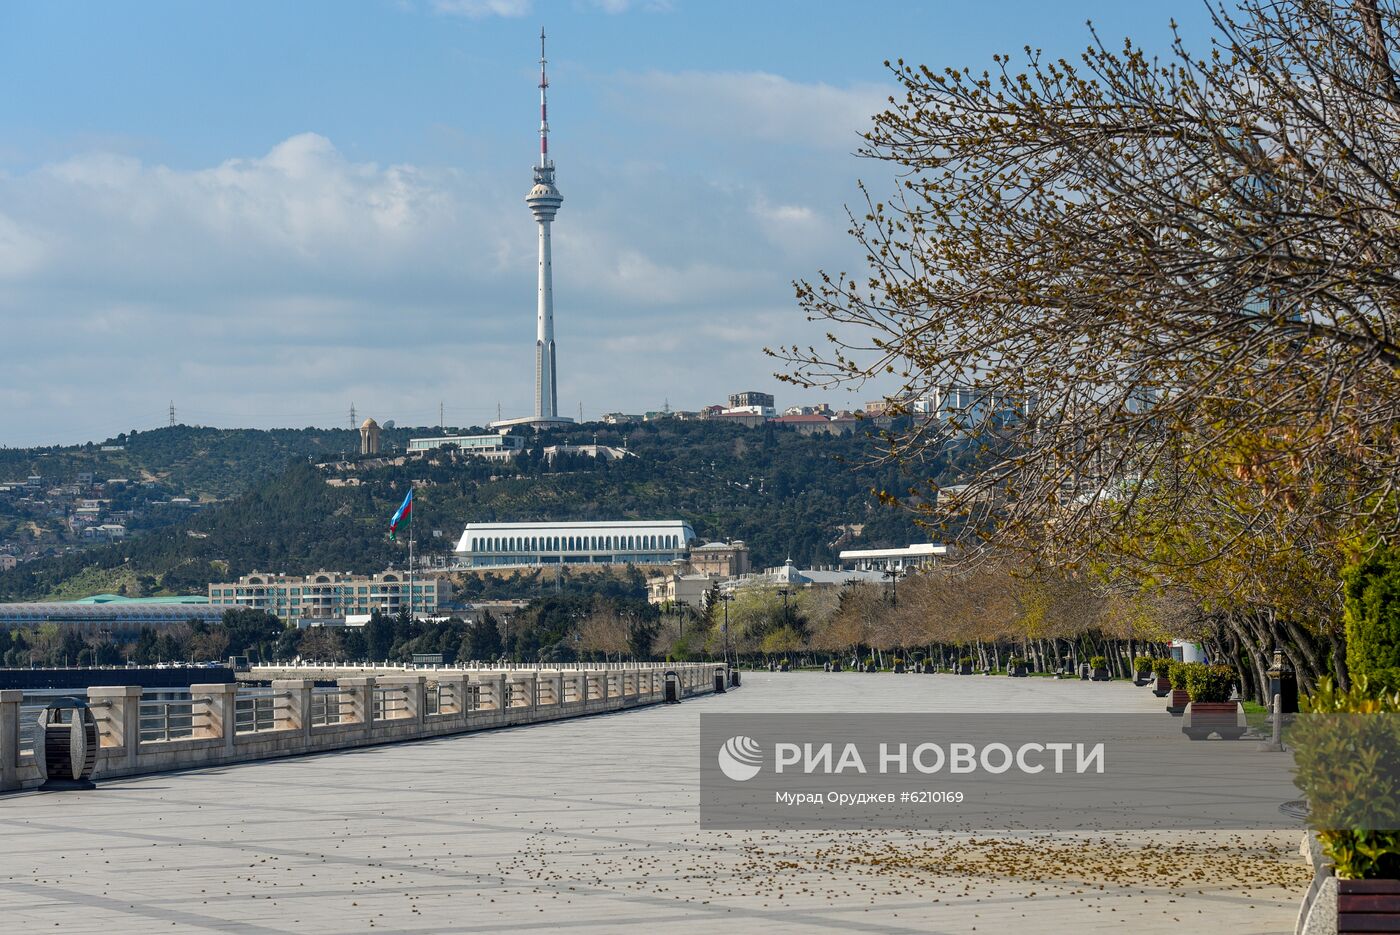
x,y
590,826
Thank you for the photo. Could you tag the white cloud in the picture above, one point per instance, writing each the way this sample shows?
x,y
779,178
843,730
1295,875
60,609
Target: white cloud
x,y
729,106
478,9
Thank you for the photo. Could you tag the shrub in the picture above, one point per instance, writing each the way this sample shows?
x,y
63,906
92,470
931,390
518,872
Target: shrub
x,y
1098,662
1162,667
964,660
1209,683
1349,769
1177,674
1142,665
1371,611
1015,661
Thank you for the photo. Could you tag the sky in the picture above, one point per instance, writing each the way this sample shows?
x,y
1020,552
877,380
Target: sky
x,y
266,211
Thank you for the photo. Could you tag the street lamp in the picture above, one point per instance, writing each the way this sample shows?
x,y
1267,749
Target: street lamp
x,y
893,575
726,598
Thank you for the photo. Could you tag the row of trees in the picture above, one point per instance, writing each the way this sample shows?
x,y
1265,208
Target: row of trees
x,y
1178,275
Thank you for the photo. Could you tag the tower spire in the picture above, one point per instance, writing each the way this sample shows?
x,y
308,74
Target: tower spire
x,y
544,107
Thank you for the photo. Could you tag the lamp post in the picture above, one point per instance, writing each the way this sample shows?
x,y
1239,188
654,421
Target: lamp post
x,y
725,599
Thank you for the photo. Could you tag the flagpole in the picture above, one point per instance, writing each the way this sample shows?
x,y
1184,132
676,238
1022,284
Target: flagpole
x,y
412,510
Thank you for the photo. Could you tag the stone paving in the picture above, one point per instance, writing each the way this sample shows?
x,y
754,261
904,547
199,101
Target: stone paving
x,y
589,825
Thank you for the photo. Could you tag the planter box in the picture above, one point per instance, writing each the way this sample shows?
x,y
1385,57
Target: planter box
x,y
871,667
1101,675
965,670
1176,705
1366,906
1143,678
899,668
926,667
1019,672
1204,718
783,667
1163,687
836,667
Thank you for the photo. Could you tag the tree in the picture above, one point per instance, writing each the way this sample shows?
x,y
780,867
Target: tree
x,y
1168,289
482,641
379,636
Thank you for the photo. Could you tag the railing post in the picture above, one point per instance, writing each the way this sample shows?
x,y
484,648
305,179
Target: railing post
x,y
581,686
498,689
295,711
10,699
361,691
412,687
220,710
122,724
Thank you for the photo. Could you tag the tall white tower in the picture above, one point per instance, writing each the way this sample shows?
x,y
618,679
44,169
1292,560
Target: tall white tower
x,y
544,200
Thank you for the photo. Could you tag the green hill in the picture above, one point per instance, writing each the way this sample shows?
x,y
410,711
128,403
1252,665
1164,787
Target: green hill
x,y
786,495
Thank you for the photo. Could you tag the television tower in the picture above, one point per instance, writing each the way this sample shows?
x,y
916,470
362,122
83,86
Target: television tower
x,y
544,200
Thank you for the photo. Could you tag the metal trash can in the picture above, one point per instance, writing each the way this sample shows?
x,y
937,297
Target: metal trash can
x,y
673,687
719,682
67,733
733,678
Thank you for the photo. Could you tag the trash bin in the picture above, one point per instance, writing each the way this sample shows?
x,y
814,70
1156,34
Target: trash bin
x,y
719,681
68,736
733,678
673,687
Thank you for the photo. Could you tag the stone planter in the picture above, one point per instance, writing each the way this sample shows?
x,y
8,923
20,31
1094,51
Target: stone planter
x,y
1203,718
1366,906
1101,675
871,667
783,667
926,667
1019,672
1163,686
899,668
965,669
1176,706
1143,678
836,667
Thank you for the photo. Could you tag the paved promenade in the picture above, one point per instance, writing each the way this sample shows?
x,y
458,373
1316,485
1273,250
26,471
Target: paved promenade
x,y
589,825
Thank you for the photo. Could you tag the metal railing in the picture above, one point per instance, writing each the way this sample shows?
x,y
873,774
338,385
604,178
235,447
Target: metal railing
x,y
165,720
256,711
390,702
328,706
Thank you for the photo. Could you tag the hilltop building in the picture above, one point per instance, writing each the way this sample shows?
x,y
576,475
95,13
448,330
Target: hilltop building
x,y
637,542
369,437
494,447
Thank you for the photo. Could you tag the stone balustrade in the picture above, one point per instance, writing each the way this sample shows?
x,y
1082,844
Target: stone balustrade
x,y
300,713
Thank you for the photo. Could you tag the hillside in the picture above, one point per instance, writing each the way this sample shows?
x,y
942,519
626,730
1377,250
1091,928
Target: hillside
x,y
785,494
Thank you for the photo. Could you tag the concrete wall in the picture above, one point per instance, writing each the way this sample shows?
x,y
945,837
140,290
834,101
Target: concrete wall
x,y
228,723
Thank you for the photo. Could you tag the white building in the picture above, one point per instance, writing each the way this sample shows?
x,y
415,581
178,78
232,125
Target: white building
x,y
329,595
495,447
636,542
903,559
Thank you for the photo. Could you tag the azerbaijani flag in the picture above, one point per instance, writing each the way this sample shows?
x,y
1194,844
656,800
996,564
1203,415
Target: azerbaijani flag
x,y
405,510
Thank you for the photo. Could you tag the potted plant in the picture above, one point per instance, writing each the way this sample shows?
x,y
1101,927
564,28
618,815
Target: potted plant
x,y
836,665
926,666
870,665
784,666
1162,668
1348,756
964,665
1016,667
1100,666
1211,711
1178,700
898,665
1142,670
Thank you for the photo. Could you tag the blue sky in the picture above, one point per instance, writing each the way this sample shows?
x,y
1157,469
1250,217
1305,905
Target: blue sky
x,y
267,210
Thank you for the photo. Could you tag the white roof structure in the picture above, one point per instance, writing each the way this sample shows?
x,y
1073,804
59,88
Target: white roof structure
x,y
909,556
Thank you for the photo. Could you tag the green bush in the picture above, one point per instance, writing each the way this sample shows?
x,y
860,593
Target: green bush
x,y
1015,661
1142,665
1371,611
1177,674
1162,667
1209,683
1098,662
964,660
1349,769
